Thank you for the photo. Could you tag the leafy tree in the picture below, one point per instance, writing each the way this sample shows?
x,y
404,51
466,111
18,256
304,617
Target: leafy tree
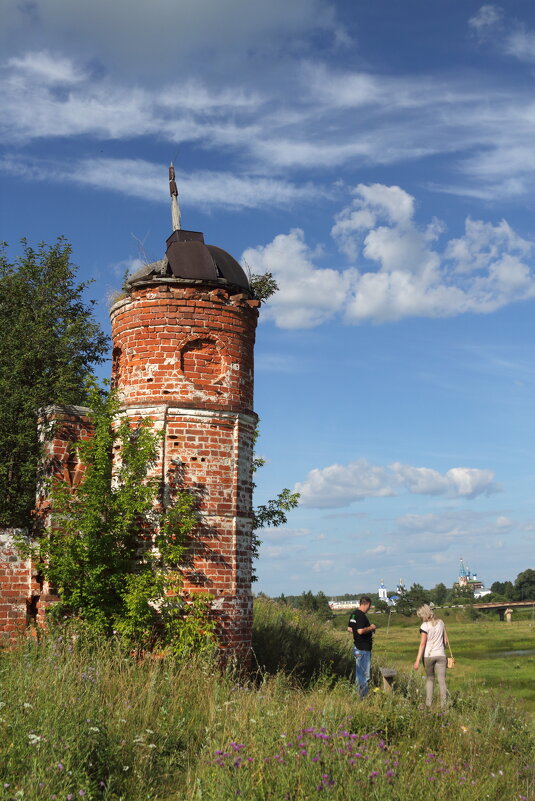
x,y
405,604
112,553
418,596
315,603
381,606
49,341
505,589
524,589
439,594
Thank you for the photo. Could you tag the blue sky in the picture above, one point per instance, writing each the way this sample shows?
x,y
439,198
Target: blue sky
x,y
379,159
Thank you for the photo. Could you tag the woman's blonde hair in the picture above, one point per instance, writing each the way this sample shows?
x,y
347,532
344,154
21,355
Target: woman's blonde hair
x,y
426,614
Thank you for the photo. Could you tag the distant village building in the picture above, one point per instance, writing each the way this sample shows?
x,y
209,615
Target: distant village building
x,y
471,581
352,604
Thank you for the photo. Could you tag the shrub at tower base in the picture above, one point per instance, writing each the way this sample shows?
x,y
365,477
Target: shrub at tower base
x,y
112,552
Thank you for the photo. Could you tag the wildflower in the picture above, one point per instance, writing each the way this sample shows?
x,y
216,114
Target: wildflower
x,y
373,774
81,792
34,738
464,729
389,774
70,797
28,706
94,728
60,766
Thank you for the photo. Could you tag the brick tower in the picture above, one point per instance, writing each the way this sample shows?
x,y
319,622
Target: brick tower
x,y
183,338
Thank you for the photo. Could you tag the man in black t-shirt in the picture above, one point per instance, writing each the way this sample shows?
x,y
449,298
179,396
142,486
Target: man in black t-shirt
x,y
362,631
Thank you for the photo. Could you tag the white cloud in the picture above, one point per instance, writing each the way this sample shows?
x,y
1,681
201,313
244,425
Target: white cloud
x,y
44,68
379,550
322,565
146,180
338,485
457,482
308,296
521,44
51,93
485,269
486,20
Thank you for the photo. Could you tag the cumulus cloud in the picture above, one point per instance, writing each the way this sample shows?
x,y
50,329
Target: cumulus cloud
x,y
457,482
398,269
308,296
340,485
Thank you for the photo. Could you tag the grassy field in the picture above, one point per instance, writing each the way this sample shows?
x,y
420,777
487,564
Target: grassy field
x,y
84,720
483,649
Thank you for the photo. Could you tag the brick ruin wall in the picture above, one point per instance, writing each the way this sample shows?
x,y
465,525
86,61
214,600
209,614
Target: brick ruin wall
x,y
24,596
15,586
183,356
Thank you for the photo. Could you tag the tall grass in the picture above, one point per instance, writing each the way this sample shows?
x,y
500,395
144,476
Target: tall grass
x,y
84,720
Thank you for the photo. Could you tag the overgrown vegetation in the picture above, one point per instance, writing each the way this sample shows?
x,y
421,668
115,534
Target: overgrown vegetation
x,y
82,719
114,546
49,343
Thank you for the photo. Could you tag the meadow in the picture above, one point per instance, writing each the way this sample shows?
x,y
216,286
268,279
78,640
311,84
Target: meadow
x,y
83,719
488,652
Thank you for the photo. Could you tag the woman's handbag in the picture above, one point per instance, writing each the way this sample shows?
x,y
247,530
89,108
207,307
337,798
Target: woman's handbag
x,y
451,658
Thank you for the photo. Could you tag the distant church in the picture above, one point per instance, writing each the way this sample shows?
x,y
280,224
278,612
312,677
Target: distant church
x,y
470,580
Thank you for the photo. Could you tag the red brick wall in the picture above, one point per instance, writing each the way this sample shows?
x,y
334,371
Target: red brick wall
x,y
183,355
15,586
23,594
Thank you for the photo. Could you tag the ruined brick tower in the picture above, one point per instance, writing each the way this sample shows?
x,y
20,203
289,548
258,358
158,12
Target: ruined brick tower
x,y
183,339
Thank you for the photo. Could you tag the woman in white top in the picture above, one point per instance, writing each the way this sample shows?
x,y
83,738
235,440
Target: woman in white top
x,y
433,638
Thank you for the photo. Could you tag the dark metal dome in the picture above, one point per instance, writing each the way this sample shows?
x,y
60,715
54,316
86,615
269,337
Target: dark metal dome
x,y
188,258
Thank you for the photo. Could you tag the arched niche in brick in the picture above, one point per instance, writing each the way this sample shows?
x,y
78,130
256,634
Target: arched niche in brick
x,y
202,361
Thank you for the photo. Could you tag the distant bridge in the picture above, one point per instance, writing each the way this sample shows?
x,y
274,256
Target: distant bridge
x,y
501,606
